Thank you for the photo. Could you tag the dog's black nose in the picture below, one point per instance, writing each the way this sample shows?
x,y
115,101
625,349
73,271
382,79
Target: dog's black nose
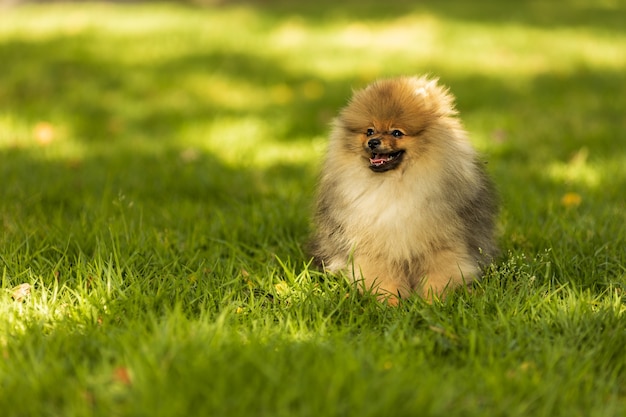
x,y
373,143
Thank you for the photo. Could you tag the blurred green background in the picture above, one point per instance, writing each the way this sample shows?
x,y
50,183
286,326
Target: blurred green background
x,y
205,102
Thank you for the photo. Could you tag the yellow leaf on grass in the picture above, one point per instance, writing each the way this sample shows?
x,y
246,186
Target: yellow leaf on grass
x,y
571,200
282,288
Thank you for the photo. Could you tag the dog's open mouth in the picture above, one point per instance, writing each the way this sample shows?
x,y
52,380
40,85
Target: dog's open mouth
x,y
380,162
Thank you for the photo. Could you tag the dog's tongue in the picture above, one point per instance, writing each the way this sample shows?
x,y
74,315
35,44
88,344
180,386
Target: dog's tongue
x,y
378,159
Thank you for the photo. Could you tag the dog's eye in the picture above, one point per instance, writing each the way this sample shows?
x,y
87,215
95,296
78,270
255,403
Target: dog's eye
x,y
397,133
369,132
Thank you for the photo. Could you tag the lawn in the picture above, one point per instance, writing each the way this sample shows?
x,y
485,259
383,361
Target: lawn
x,y
157,172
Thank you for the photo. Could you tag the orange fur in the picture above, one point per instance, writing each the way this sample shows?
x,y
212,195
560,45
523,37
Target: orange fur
x,y
403,203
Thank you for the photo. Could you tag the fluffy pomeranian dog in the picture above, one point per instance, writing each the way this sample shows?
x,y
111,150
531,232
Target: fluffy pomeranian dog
x,y
404,204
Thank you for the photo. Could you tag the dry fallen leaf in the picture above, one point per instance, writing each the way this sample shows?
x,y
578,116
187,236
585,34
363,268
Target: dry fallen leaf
x,y
20,292
121,375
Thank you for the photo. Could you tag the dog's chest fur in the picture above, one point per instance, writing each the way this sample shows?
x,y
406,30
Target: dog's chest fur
x,y
396,215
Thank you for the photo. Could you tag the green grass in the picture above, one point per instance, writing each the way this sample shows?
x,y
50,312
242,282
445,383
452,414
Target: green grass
x,y
157,172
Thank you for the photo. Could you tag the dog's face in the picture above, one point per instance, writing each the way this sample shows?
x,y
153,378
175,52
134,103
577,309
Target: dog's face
x,y
385,144
387,123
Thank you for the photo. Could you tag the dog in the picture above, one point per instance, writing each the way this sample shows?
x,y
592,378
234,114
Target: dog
x,y
404,204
